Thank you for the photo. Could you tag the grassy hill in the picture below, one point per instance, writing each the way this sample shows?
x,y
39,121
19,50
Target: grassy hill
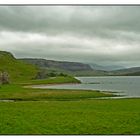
x,y
18,70
23,72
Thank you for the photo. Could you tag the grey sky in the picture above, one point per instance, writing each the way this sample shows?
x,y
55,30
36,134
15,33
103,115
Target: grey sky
x,y
91,34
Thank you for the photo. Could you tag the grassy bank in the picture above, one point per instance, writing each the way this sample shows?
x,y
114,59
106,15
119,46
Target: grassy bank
x,y
18,93
52,80
119,116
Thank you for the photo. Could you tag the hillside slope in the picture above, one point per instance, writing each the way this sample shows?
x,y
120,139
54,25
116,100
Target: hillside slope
x,y
18,70
69,66
134,71
106,68
72,68
133,74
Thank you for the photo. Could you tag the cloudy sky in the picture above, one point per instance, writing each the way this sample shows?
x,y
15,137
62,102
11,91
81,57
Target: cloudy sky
x,y
103,35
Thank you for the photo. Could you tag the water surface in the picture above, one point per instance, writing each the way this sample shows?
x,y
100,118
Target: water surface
x,y
123,85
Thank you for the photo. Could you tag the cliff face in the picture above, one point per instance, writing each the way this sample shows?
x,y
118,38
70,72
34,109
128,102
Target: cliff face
x,y
68,66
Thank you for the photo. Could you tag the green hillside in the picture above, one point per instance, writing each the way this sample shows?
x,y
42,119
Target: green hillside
x,y
18,70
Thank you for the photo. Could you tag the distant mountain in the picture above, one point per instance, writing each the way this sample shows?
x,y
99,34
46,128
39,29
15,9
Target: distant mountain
x,y
134,71
106,68
133,74
74,68
70,66
18,71
27,68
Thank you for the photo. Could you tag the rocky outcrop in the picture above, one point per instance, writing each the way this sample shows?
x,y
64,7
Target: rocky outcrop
x,y
4,78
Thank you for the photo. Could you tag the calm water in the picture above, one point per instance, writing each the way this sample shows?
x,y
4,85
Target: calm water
x,y
124,85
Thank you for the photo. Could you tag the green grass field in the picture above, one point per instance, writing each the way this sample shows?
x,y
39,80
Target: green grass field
x,y
50,111
120,116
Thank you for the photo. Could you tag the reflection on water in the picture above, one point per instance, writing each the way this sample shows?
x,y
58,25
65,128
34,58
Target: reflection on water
x,y
124,85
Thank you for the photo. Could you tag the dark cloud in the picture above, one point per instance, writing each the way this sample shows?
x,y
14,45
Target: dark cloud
x,y
98,34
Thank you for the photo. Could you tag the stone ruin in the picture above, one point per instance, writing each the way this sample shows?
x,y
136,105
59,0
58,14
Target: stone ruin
x,y
4,78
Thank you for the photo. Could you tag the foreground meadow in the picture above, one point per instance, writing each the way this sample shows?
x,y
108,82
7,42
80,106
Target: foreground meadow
x,y
120,116
49,111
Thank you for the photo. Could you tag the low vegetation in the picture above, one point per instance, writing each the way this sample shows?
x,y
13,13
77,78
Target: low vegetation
x,y
96,116
18,93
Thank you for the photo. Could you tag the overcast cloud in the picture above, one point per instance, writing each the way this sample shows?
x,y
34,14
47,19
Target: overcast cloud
x,y
91,34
